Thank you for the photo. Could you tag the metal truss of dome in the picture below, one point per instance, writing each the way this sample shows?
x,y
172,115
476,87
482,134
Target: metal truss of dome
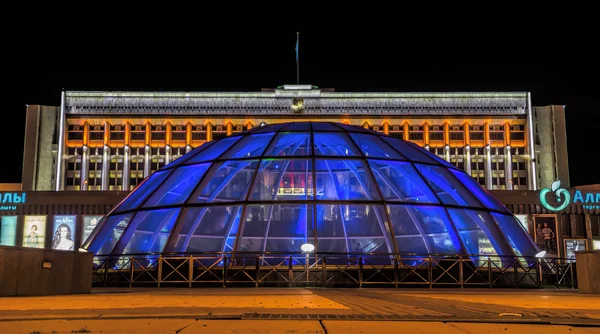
x,y
342,188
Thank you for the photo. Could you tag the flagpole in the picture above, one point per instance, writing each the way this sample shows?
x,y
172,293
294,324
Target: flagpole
x,y
297,59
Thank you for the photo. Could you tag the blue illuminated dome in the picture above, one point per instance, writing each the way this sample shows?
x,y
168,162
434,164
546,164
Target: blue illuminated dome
x,y
342,188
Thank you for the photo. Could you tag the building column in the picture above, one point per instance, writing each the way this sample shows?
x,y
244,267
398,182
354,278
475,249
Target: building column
x,y
426,134
105,167
386,128
532,173
188,148
208,131
249,126
488,167
146,161
508,168
405,131
447,153
167,155
125,176
85,159
229,128
467,157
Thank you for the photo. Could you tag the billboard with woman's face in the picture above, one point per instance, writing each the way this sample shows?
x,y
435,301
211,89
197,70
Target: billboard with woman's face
x,y
34,231
64,233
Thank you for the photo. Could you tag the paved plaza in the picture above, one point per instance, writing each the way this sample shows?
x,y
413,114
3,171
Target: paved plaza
x,y
303,310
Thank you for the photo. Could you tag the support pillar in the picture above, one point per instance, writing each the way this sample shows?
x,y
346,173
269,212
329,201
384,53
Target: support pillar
x,y
85,160
146,161
126,173
105,167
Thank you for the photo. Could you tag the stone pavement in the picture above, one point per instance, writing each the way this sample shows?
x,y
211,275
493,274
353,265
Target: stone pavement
x,y
303,310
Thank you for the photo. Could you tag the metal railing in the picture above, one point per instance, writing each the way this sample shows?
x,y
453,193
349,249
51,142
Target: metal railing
x,y
331,270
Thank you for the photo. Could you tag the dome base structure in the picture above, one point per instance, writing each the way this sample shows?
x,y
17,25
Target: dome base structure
x,y
341,189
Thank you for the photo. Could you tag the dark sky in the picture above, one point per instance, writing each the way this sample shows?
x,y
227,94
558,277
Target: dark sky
x,y
554,61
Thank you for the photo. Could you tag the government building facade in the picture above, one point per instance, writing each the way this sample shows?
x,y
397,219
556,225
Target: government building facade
x,y
83,157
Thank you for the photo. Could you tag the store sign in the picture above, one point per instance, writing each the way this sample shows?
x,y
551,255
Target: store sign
x,y
8,200
562,198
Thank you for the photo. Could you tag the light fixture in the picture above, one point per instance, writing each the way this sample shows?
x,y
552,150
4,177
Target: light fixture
x,y
540,254
307,248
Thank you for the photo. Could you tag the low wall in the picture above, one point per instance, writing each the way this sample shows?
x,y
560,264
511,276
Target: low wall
x,y
22,272
588,271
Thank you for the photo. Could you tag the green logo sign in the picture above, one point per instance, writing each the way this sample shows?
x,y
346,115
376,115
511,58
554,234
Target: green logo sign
x,y
563,197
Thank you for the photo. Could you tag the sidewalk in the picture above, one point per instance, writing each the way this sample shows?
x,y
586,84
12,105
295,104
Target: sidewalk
x,y
298,310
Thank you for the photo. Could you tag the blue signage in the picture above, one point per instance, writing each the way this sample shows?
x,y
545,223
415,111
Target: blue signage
x,y
562,198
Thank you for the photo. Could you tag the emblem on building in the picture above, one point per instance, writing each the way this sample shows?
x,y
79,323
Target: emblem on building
x,y
562,197
298,104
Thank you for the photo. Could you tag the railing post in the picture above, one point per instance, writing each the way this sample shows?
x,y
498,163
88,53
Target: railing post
x,y
489,267
557,264
290,272
106,271
190,270
131,264
360,272
539,272
324,271
224,270
160,265
430,272
257,272
572,275
395,271
460,272
516,272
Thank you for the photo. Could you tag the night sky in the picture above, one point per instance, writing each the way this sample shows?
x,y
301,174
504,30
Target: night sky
x,y
555,62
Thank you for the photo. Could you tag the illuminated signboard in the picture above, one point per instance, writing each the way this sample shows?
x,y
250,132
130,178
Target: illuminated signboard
x,y
34,231
8,231
89,224
9,200
562,198
64,232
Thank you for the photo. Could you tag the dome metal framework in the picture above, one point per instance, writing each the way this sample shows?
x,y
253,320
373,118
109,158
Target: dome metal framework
x,y
341,188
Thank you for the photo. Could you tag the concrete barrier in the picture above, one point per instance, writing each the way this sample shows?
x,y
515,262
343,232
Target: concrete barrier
x,y
39,272
588,271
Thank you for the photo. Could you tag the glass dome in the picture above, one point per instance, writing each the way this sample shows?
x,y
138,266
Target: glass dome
x,y
341,188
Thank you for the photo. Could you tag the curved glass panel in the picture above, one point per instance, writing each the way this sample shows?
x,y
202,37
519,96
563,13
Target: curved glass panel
x,y
141,192
226,181
204,229
189,155
517,237
215,150
353,228
252,145
426,228
344,180
433,156
284,180
373,147
325,127
334,144
351,128
269,127
447,188
107,237
399,181
480,235
408,150
297,126
177,188
148,233
276,228
482,195
290,144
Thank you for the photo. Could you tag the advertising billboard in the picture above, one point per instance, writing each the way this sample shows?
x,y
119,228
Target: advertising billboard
x,y
34,231
89,224
64,230
8,231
